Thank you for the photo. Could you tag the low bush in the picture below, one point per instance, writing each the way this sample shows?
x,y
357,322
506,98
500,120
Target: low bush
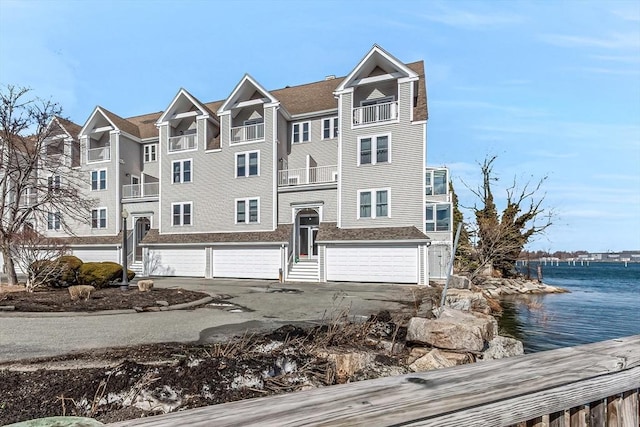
x,y
101,274
69,267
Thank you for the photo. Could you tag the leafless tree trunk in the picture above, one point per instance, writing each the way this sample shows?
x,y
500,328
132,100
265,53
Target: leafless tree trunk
x,y
37,256
38,184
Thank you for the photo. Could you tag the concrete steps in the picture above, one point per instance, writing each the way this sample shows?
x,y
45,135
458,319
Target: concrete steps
x,y
137,268
303,271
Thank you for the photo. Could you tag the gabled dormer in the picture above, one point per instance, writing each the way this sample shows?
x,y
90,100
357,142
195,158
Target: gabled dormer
x,y
98,135
245,111
187,124
375,88
62,141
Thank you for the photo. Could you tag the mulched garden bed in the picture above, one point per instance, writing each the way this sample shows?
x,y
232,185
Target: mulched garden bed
x,y
112,298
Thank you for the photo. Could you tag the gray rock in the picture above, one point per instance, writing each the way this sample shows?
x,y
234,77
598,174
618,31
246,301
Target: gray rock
x,y
7,307
501,347
459,282
466,300
162,303
430,361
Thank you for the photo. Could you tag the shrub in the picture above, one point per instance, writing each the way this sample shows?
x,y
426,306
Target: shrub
x,y
69,267
101,274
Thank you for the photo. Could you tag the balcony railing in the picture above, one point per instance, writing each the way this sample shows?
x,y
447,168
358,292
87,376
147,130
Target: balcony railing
x,y
137,191
375,113
183,142
247,133
303,176
99,154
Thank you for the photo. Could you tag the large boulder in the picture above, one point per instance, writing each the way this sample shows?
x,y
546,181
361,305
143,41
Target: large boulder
x,y
459,282
466,300
454,330
101,274
438,359
501,347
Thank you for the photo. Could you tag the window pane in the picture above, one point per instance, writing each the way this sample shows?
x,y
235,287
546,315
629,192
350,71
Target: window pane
x,y
381,203
305,131
326,128
241,165
240,216
94,180
430,226
253,210
146,153
335,127
429,213
176,172
94,218
176,214
186,172
442,217
382,149
103,218
440,182
296,133
365,204
186,214
253,164
365,151
153,153
103,179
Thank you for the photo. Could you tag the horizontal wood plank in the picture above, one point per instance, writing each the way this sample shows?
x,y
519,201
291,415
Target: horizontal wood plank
x,y
522,388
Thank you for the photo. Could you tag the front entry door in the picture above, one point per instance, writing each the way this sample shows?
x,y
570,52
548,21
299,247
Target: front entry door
x,y
307,233
143,225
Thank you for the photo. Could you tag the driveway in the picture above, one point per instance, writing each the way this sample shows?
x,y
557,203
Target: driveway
x,y
261,305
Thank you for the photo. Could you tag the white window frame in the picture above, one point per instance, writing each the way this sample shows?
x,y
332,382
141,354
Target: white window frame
x,y
99,218
247,156
182,205
333,127
374,149
300,126
434,221
182,162
374,204
150,153
52,185
53,221
247,215
429,187
98,180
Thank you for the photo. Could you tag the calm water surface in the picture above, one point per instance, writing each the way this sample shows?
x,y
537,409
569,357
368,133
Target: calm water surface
x,y
604,303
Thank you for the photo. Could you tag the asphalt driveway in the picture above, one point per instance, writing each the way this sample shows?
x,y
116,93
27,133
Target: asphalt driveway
x,y
257,306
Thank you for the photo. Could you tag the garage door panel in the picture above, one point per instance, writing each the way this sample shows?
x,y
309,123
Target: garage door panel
x,y
97,255
177,262
246,263
373,264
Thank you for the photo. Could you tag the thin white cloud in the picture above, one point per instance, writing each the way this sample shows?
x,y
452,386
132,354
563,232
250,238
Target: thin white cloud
x,y
629,14
468,20
628,40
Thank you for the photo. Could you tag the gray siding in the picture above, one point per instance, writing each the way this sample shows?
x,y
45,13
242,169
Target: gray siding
x,y
323,151
403,175
150,168
327,196
215,187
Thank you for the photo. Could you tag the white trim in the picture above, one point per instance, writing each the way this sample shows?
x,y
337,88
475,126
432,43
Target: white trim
x,y
246,201
374,149
179,245
154,152
296,208
382,242
182,161
300,126
99,218
274,168
97,172
375,79
434,221
182,204
247,155
334,127
118,210
227,105
339,186
374,205
165,116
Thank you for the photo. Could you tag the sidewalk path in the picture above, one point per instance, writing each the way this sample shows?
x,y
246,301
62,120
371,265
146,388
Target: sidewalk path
x,y
268,305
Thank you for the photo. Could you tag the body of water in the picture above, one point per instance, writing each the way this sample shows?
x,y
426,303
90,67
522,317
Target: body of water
x,y
604,303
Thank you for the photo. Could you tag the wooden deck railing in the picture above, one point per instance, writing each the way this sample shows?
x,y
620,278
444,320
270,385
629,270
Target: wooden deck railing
x,y
590,385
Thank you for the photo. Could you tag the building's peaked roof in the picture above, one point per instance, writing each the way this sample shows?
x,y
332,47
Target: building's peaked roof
x,y
183,93
279,235
120,123
236,92
310,97
329,232
146,124
68,126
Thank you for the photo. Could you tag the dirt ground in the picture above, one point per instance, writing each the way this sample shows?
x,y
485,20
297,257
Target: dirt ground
x,y
113,298
125,383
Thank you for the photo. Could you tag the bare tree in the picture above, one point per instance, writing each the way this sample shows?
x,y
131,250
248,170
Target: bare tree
x,y
38,256
38,183
502,237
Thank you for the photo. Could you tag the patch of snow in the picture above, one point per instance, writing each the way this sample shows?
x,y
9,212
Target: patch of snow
x,y
194,362
164,399
269,347
246,381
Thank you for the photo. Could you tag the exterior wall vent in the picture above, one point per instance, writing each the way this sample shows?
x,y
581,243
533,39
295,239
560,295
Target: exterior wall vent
x,y
330,77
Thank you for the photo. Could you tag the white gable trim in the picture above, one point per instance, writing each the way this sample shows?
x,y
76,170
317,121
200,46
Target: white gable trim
x,y
247,79
96,110
168,113
55,119
350,80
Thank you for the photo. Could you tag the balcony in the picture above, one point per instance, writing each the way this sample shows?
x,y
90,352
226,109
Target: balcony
x,y
305,176
100,154
376,113
139,191
247,133
183,143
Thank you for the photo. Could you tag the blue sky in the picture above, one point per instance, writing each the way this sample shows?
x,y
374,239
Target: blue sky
x,y
550,87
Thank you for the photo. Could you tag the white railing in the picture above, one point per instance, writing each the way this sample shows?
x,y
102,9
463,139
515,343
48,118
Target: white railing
x,y
375,113
302,176
247,133
183,142
99,154
136,191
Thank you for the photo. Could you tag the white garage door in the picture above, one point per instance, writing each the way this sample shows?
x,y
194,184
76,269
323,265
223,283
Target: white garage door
x,y
177,262
97,254
246,263
372,264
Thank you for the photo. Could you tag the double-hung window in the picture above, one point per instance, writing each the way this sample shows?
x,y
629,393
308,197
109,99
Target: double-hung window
x,y
181,213
247,211
99,180
99,218
374,149
330,128
438,217
182,171
150,153
373,203
53,221
301,132
247,164
53,183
